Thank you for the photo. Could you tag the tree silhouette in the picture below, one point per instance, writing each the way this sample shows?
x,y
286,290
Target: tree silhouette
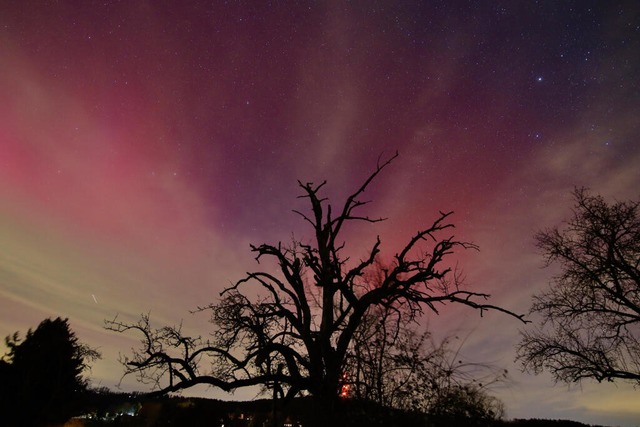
x,y
293,323
591,311
395,366
42,380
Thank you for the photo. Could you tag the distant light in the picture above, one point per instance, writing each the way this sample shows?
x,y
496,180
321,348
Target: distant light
x,y
539,79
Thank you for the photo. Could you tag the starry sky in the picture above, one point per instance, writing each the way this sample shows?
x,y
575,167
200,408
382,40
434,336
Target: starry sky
x,y
145,144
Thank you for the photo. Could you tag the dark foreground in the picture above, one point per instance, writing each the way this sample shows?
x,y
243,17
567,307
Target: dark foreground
x,y
109,409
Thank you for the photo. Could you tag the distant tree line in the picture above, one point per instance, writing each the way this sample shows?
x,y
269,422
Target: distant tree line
x,y
161,411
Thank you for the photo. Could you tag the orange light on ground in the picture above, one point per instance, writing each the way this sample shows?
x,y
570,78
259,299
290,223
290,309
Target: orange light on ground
x,y
344,390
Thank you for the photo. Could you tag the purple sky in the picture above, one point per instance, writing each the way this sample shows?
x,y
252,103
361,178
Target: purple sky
x,y
145,144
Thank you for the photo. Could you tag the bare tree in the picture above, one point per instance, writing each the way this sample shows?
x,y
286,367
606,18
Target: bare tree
x,y
395,365
293,325
591,312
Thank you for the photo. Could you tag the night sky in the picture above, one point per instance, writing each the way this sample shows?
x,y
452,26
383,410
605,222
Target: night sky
x,y
145,144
